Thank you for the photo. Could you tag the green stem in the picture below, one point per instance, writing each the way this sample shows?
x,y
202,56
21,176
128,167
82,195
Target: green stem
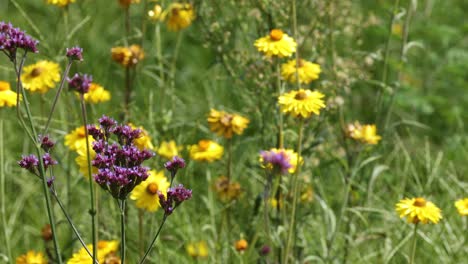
x,y
291,230
140,232
153,241
296,37
173,66
229,163
128,95
280,115
122,230
413,251
2,197
160,63
92,211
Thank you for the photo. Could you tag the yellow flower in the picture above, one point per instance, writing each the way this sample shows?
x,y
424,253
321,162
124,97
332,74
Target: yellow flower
x,y
127,3
276,44
41,76
292,155
241,245
225,124
462,206
301,103
128,56
364,133
418,210
7,96
227,190
106,253
146,193
96,94
61,3
206,150
169,149
76,139
31,258
307,71
197,249
155,13
82,161
144,140
178,16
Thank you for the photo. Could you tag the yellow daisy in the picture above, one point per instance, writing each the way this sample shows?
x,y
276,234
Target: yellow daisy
x,y
61,3
241,245
227,190
82,161
96,94
155,13
197,249
128,56
462,206
276,44
31,257
206,150
146,193
418,210
41,76
364,133
301,103
178,16
144,140
105,253
169,149
225,124
307,71
7,96
76,139
292,155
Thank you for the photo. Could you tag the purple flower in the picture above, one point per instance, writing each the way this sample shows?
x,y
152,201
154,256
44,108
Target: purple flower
x,y
46,143
75,53
30,163
12,39
276,160
265,250
175,196
174,165
50,181
80,83
48,161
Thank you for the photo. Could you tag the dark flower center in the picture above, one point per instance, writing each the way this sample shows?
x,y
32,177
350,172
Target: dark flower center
x,y
419,202
36,72
152,188
301,95
276,34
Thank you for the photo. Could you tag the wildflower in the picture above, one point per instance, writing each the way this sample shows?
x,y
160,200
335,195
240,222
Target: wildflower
x,y
127,3
155,13
144,140
241,245
178,16
206,150
75,53
197,249
76,139
462,206
364,133
227,190
105,253
12,39
31,257
174,165
29,163
80,83
307,71
60,3
96,94
82,161
46,233
46,143
225,124
418,210
168,149
41,76
7,96
128,56
277,44
301,103
175,197
265,250
146,194
280,160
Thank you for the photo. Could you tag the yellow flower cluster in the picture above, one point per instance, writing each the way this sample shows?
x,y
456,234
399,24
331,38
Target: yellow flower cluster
x,y
7,96
128,56
41,76
197,249
76,139
146,193
61,3
462,206
418,210
169,149
277,44
225,124
227,190
206,150
155,13
365,133
96,94
301,103
105,253
178,16
31,257
307,71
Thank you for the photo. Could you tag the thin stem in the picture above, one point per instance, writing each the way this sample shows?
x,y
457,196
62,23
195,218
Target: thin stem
x,y
128,94
280,116
153,241
92,211
229,163
413,250
174,64
19,87
296,37
141,243
57,95
295,184
122,230
127,23
160,62
2,197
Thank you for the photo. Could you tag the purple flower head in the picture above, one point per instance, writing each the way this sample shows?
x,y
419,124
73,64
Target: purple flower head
x,y
276,160
107,122
80,83
75,53
46,143
175,196
265,250
50,181
126,134
30,163
95,132
12,39
175,164
48,161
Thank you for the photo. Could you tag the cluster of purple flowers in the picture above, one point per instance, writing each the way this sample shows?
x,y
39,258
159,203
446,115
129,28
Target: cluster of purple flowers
x,y
276,160
12,39
80,83
31,163
174,165
75,53
175,196
119,163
